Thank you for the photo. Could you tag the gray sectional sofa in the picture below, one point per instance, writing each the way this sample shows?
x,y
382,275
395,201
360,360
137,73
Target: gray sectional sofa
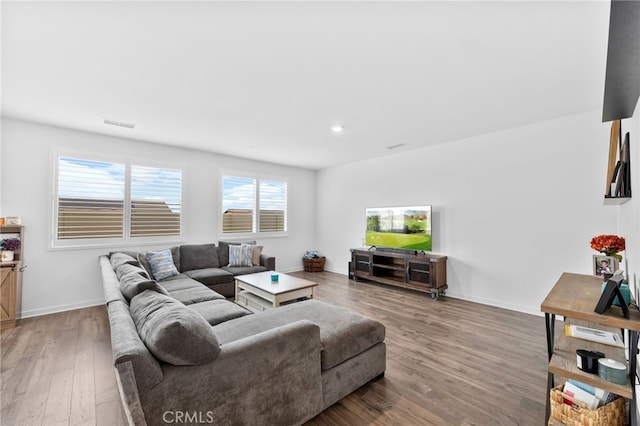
x,y
209,265
185,354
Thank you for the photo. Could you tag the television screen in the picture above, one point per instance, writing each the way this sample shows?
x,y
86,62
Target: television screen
x,y
399,227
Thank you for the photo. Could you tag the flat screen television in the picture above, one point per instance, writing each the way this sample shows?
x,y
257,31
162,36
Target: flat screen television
x,y
399,227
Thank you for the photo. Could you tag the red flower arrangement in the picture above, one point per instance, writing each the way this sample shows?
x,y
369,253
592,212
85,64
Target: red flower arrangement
x,y
609,245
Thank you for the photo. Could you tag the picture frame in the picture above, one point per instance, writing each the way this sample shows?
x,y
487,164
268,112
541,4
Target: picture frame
x,y
604,266
609,293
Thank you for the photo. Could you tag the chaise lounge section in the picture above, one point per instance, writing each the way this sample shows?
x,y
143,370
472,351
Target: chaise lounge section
x,y
201,357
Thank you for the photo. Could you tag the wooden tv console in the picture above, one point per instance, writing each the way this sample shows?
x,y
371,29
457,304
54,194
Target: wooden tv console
x,y
421,271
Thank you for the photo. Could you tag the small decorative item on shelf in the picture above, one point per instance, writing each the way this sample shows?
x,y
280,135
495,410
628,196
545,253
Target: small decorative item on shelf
x,y
313,262
13,220
8,246
609,245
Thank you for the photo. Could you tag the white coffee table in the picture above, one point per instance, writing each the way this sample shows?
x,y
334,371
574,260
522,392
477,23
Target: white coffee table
x,y
258,293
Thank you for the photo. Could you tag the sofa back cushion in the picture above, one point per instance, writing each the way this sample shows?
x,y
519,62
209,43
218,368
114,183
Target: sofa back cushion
x,y
127,268
173,333
119,258
198,256
133,284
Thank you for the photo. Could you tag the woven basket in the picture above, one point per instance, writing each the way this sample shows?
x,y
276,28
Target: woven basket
x,y
314,264
611,414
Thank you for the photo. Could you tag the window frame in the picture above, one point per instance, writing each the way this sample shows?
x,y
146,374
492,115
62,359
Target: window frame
x,y
126,240
256,233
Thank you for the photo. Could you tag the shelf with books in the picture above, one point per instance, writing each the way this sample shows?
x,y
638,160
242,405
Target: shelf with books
x,y
563,362
574,296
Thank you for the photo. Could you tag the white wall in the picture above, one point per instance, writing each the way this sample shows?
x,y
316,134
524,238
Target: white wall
x,y
512,210
66,279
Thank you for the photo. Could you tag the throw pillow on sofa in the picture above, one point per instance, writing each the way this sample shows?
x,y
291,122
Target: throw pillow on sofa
x,y
240,255
223,250
133,284
173,333
161,264
255,255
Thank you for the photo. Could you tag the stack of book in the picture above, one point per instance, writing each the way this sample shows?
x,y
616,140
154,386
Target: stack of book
x,y
592,397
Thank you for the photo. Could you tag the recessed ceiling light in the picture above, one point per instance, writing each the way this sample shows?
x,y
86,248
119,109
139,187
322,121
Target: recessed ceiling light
x,y
338,128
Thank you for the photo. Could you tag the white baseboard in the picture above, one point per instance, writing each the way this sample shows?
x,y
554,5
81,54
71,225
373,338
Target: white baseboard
x,y
60,308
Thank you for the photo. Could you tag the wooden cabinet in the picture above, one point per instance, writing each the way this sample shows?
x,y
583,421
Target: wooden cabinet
x,y
574,296
425,272
11,280
8,282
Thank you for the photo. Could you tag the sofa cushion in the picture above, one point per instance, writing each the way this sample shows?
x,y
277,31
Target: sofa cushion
x,y
343,333
195,295
172,332
127,346
198,256
243,270
217,311
210,276
240,255
119,258
133,284
179,282
161,264
127,268
223,250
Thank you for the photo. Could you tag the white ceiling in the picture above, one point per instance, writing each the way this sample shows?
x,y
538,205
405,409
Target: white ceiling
x,y
266,80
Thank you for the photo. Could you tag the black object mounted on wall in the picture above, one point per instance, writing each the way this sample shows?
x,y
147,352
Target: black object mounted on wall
x,y
622,81
610,292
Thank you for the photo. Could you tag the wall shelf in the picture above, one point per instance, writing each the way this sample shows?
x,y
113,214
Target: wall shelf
x,y
615,201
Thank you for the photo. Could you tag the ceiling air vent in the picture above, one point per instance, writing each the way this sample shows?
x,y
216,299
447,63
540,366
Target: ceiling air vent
x,y
119,124
398,145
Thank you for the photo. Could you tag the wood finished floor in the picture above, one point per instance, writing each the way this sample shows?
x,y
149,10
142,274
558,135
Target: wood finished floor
x,y
449,362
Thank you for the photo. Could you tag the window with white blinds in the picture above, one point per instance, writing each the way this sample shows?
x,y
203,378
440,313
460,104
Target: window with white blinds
x,y
90,201
102,202
273,206
156,200
251,205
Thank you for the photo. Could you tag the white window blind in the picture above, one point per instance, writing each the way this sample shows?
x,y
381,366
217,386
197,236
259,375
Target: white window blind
x,y
90,202
155,201
238,204
273,206
102,202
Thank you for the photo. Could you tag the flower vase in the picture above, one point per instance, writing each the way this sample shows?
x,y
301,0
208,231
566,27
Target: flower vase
x,y
6,256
